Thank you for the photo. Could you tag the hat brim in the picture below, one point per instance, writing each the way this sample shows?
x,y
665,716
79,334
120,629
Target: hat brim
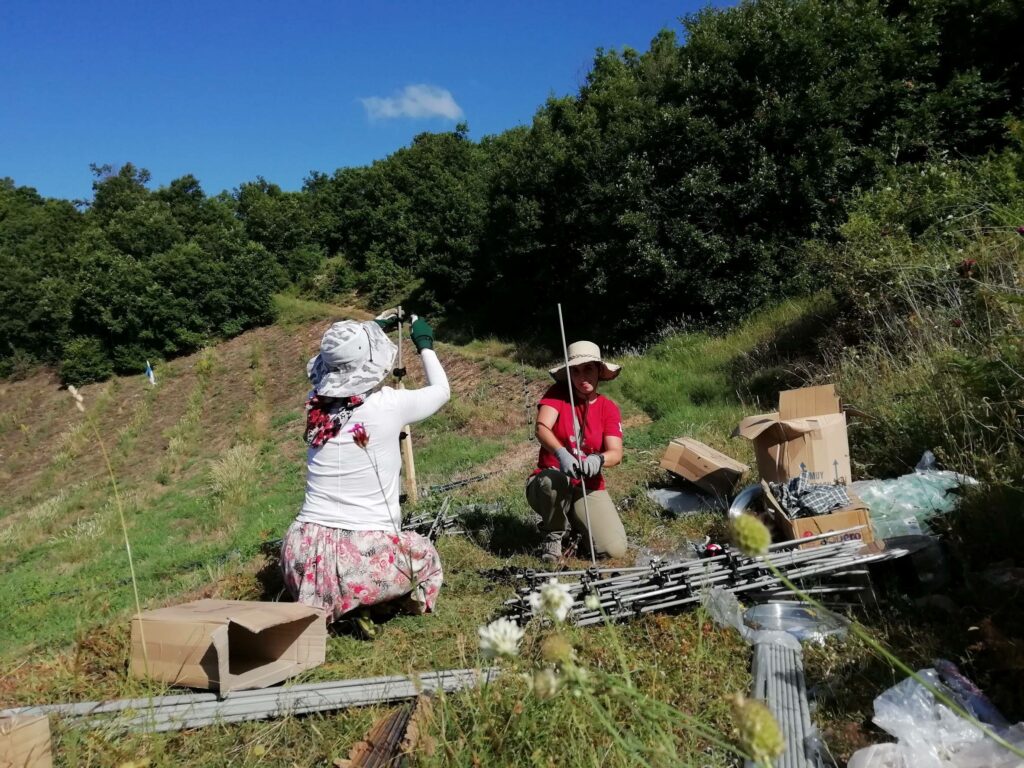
x,y
365,377
608,370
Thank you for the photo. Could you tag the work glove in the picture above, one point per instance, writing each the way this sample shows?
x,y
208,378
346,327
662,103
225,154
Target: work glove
x,y
388,319
568,463
591,465
422,334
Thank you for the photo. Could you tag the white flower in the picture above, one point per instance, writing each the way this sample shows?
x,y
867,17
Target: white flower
x,y
553,600
77,396
545,683
500,638
592,602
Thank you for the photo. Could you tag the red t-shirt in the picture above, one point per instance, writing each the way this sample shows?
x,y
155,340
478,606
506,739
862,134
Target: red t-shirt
x,y
599,419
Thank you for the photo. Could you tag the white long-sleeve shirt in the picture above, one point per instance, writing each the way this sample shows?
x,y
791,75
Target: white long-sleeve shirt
x,y
357,488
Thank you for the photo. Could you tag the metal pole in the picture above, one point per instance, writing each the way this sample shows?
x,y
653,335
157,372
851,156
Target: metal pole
x,y
576,434
163,713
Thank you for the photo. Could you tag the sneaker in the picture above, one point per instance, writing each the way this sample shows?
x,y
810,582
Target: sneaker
x,y
550,550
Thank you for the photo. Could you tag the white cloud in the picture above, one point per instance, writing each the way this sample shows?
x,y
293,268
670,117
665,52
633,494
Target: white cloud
x,y
414,101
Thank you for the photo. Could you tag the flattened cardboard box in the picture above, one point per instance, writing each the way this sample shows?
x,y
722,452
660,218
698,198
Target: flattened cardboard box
x,y
854,514
703,465
227,645
25,742
807,434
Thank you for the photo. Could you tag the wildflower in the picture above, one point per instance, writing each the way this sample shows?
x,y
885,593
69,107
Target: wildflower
x,y
577,676
78,397
968,268
750,535
500,638
592,601
557,650
757,730
1020,230
553,600
545,683
360,435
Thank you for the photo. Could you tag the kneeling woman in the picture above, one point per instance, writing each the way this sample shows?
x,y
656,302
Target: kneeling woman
x,y
575,446
346,549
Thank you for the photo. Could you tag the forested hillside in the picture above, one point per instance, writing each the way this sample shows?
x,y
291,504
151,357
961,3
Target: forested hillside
x,y
680,182
137,275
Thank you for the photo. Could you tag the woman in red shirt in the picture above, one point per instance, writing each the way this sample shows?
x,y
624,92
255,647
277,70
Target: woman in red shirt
x,y
573,454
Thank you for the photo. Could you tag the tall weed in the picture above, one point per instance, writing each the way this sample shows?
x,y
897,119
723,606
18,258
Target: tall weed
x,y
234,475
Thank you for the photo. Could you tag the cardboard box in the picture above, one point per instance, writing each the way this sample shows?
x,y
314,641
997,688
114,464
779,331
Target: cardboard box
x,y
807,434
25,742
227,645
704,466
853,514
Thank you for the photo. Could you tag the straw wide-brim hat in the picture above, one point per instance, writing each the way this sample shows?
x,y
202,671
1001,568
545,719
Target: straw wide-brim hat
x,y
354,358
581,352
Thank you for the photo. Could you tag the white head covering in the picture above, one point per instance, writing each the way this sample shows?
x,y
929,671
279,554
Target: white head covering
x,y
354,358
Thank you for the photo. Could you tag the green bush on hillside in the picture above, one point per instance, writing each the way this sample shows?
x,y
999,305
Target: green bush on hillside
x,y
137,275
929,277
85,360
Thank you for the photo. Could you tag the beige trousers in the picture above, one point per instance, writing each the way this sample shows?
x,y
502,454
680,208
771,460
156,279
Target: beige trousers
x,y
560,505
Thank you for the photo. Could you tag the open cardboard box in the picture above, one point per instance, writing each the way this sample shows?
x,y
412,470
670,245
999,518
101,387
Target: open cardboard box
x,y
227,645
25,742
807,434
702,465
853,514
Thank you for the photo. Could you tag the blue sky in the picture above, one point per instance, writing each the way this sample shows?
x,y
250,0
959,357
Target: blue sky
x,y
229,91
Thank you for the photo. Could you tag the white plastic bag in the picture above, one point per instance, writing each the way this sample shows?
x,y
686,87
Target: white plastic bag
x,y
930,735
928,728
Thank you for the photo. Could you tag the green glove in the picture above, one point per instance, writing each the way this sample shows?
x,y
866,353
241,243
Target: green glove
x,y
388,319
422,334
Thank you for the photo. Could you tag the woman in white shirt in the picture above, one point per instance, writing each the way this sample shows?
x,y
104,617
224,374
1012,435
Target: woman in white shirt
x,y
346,549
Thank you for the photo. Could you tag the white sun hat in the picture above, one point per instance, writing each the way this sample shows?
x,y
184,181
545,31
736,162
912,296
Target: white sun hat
x,y
354,358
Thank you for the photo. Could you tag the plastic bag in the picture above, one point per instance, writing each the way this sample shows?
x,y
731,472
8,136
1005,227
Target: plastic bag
x,y
928,728
902,506
929,734
725,610
681,503
685,551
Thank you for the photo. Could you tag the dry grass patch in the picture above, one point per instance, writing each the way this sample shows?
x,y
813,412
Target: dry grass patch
x,y
235,474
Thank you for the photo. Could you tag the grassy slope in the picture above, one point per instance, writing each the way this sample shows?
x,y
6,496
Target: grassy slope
x,y
236,410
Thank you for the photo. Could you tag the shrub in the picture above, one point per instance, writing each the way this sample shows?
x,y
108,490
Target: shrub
x,y
382,282
302,262
85,360
20,365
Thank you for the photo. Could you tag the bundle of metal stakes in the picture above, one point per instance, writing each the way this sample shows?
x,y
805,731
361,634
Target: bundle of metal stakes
x,y
450,521
433,525
624,593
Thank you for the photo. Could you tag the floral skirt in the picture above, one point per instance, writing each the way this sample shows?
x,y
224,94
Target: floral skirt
x,y
340,570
